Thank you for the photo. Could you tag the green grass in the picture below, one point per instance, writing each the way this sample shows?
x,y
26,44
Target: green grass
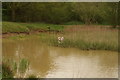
x,y
85,38
13,27
84,45
73,23
26,27
43,26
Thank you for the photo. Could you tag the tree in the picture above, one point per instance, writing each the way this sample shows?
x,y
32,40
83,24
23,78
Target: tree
x,y
13,6
58,13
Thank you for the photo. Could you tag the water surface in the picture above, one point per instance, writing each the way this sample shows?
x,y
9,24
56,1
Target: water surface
x,y
56,62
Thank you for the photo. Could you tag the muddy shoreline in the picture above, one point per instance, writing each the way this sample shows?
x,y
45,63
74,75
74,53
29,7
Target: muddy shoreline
x,y
68,28
9,34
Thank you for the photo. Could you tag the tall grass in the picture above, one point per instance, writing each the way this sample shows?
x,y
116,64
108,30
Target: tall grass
x,y
86,38
23,67
12,69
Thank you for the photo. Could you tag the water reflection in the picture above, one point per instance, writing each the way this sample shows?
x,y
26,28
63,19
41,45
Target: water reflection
x,y
54,62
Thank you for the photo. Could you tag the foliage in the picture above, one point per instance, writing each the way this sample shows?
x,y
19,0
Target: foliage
x,y
59,13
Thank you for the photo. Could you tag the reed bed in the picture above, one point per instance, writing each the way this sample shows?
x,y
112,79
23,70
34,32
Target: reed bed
x,y
86,38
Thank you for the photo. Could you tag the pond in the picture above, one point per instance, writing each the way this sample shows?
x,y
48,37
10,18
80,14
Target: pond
x,y
55,62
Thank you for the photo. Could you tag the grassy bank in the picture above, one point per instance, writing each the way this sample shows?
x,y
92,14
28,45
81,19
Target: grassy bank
x,y
27,27
85,37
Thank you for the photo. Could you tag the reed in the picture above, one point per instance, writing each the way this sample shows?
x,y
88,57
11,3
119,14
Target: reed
x,y
14,69
86,38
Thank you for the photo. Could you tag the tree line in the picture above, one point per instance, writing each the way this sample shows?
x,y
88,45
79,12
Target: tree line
x,y
61,12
